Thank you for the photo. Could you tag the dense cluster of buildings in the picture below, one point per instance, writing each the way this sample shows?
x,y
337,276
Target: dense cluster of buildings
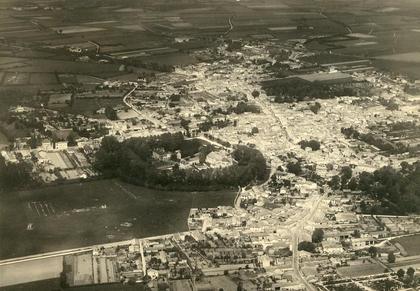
x,y
266,240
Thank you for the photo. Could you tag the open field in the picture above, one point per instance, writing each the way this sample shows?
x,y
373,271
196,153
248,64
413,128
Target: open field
x,y
406,262
7,60
16,79
89,106
410,69
171,59
411,244
223,282
30,271
92,212
54,284
136,29
412,57
360,270
43,78
76,29
44,285
51,66
133,27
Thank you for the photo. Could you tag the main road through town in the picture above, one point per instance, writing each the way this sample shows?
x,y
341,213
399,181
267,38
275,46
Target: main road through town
x,y
296,232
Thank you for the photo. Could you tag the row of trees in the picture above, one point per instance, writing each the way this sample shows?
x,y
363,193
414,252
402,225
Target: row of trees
x,y
240,108
408,278
132,161
155,66
377,141
298,90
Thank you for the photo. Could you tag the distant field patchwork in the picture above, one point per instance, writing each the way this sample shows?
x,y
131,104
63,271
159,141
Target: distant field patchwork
x,y
413,57
76,29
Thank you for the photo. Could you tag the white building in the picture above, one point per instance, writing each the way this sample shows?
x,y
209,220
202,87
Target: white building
x,y
61,145
359,243
46,145
332,247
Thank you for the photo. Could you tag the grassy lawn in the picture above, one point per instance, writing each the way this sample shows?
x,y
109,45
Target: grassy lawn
x,y
44,285
360,270
54,284
410,243
31,271
89,106
81,214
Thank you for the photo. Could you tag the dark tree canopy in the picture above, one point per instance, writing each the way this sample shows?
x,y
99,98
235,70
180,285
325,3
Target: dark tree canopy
x,y
317,235
306,246
295,168
110,113
400,274
411,272
14,175
373,251
293,90
397,190
391,258
335,182
315,107
134,162
313,144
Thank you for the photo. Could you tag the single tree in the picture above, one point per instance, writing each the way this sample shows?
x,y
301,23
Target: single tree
x,y
317,235
295,168
400,274
346,174
410,272
391,258
335,182
352,185
315,107
71,139
110,113
373,251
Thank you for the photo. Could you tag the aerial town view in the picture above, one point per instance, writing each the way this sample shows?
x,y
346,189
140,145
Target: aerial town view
x,y
209,145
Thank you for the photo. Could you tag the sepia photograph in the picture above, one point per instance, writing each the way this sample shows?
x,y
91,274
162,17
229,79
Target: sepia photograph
x,y
209,145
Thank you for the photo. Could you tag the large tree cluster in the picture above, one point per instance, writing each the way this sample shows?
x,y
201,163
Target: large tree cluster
x,y
14,175
398,190
133,161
